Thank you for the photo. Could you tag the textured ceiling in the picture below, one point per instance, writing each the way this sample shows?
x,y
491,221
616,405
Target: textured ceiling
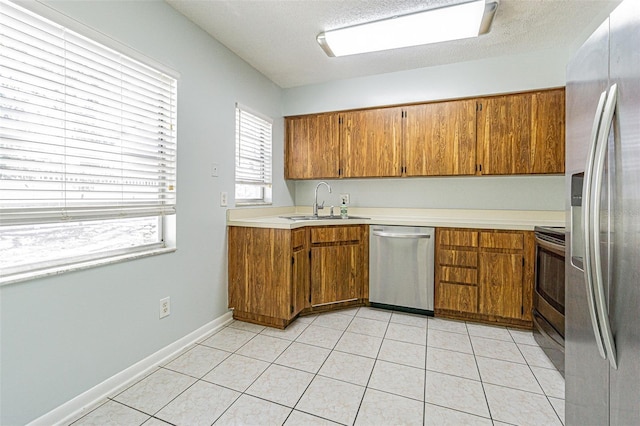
x,y
278,37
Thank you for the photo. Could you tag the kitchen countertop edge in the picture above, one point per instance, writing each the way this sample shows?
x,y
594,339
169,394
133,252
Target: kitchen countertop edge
x,y
522,220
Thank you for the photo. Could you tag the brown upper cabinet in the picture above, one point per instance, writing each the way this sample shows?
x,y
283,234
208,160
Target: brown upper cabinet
x,y
440,139
371,142
522,133
509,134
312,147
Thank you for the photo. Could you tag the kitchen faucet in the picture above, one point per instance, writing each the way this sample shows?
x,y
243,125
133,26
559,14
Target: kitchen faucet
x,y
316,207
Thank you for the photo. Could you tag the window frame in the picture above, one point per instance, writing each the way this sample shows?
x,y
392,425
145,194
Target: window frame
x,y
166,240
265,184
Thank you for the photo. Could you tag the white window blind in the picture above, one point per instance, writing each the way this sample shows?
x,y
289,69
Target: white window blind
x,y
253,157
86,133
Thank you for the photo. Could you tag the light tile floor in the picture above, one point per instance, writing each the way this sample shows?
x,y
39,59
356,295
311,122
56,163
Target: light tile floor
x,y
359,366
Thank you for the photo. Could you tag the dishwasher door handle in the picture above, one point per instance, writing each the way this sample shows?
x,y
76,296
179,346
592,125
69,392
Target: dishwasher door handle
x,y
394,235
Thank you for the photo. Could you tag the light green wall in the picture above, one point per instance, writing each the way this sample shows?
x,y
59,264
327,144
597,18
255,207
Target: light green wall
x,y
62,335
459,80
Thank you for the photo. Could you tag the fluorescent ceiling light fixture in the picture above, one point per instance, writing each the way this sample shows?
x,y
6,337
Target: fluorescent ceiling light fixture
x,y
454,22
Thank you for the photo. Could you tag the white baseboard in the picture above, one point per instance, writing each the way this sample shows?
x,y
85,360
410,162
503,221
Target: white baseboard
x,y
86,401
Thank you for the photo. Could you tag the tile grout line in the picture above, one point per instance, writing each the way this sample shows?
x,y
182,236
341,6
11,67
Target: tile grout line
x,y
244,392
424,387
372,369
484,391
331,350
316,373
540,384
200,379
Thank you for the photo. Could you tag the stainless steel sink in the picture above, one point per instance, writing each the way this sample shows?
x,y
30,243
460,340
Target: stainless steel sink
x,y
310,217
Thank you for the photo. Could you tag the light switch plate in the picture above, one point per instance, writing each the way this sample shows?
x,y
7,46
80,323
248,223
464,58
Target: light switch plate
x,y
214,169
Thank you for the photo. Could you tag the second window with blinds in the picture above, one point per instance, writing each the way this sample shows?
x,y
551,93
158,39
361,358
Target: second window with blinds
x,y
253,157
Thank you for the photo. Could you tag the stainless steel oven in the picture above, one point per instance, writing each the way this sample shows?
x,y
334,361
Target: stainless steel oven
x,y
548,297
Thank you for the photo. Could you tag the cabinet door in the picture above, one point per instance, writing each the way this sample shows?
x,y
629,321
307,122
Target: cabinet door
x,y
300,281
334,274
299,270
522,133
440,139
259,271
504,134
371,143
312,147
547,141
501,284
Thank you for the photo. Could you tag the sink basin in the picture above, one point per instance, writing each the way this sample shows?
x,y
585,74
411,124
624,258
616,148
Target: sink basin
x,y
301,217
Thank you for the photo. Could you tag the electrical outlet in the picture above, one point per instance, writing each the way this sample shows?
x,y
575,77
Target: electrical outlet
x,y
344,198
165,307
223,199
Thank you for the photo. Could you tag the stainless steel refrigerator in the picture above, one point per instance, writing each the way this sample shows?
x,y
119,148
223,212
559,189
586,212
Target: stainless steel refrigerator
x,y
602,306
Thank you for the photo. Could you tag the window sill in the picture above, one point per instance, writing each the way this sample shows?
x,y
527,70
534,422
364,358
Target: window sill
x,y
253,203
57,270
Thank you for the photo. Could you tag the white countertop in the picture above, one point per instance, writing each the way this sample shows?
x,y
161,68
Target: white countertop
x,y
270,217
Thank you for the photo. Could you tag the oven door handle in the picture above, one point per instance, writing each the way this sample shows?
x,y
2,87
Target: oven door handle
x,y
546,330
586,221
550,246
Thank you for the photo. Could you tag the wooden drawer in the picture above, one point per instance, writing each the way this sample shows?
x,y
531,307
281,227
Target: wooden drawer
x,y
502,240
298,238
336,234
459,238
458,258
455,297
453,274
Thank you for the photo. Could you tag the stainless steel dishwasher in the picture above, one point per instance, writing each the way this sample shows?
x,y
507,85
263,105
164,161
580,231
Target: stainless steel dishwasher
x,y
401,268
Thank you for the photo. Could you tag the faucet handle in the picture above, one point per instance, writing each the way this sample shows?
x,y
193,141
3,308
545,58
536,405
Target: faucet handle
x,y
321,206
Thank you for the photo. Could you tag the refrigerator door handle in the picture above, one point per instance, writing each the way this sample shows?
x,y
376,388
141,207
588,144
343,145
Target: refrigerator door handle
x,y
598,172
586,221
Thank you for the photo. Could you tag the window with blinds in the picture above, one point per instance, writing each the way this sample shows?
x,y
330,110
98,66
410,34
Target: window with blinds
x,y
87,147
253,157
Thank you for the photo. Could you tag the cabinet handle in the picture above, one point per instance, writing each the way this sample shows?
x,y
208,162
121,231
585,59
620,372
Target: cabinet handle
x,y
397,235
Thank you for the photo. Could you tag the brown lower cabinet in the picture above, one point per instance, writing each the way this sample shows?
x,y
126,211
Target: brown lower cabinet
x,y
485,275
276,274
